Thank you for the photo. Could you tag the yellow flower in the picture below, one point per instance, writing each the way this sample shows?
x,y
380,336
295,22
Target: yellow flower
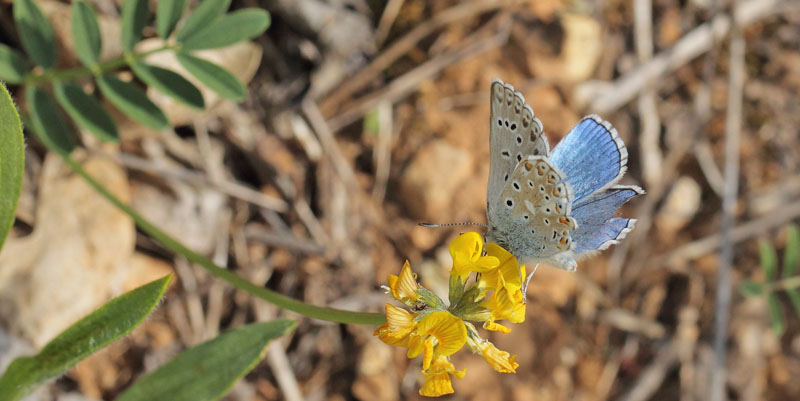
x,y
466,251
508,270
437,377
404,287
398,327
507,301
435,330
439,332
504,304
500,361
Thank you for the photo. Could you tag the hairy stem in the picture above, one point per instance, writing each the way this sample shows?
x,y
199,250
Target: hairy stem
x,y
280,300
127,58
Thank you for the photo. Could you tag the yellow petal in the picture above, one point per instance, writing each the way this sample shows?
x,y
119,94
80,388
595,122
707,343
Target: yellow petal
x,y
518,312
508,267
415,346
448,329
500,361
437,378
427,355
404,287
399,318
466,251
436,385
492,326
384,333
399,324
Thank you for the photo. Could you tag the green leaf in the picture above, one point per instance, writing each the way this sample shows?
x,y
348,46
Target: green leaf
x,y
134,18
372,123
12,162
213,76
775,314
35,33
751,288
791,255
86,33
113,320
168,12
769,260
86,111
234,27
132,101
170,83
46,120
204,14
209,370
13,65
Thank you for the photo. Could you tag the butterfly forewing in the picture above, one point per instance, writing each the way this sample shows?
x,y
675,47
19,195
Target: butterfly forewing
x,y
514,134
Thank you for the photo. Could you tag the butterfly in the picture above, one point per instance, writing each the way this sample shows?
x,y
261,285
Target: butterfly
x,y
556,206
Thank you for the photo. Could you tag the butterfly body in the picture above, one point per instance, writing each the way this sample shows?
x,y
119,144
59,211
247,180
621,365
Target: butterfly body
x,y
553,207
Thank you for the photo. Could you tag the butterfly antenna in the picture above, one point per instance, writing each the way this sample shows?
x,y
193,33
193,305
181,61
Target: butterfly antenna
x,y
466,223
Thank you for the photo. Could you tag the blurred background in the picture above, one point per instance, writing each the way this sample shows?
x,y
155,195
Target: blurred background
x,y
365,117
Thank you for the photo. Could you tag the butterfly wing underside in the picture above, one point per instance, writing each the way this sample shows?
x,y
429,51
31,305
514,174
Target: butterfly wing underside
x,y
532,219
514,134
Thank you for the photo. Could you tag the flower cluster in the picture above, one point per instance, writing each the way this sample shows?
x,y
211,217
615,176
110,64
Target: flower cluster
x,y
435,329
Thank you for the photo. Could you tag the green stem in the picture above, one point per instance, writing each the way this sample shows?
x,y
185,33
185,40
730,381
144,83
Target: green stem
x,y
316,312
78,72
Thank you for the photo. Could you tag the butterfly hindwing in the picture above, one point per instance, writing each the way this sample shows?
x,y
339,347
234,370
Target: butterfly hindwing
x,y
514,133
592,155
598,229
533,220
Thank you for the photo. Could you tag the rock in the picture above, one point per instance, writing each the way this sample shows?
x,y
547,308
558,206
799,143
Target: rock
x,y
580,51
432,180
681,204
75,259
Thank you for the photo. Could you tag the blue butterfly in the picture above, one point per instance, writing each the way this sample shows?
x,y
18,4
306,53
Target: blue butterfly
x,y
553,207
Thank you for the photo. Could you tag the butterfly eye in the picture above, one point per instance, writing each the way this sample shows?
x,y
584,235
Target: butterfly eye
x,y
499,123
505,178
525,216
519,157
555,233
509,202
546,222
519,138
514,127
516,185
530,183
546,197
506,154
506,123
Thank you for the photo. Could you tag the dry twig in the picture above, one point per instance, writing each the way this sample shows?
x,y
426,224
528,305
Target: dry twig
x,y
608,97
407,83
402,46
733,128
